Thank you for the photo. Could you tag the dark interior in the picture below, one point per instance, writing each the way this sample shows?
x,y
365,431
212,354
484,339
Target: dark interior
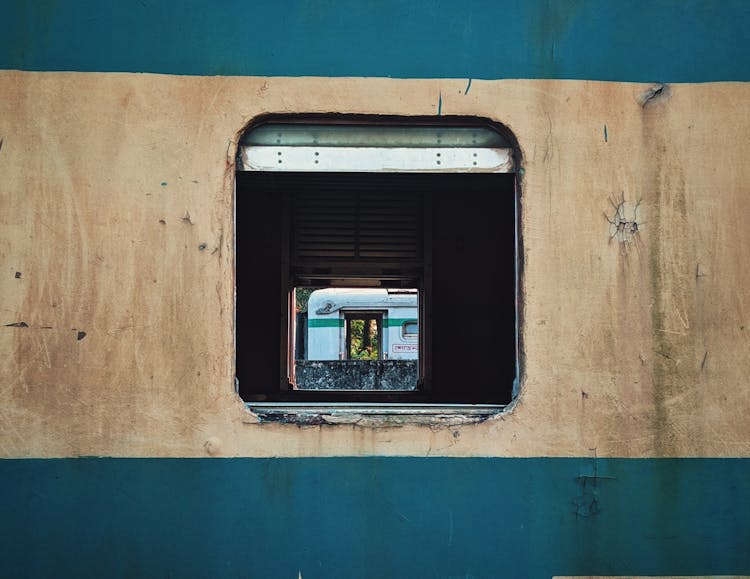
x,y
470,234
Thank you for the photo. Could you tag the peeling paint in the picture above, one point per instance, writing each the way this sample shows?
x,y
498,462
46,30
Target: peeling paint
x,y
380,416
625,224
654,94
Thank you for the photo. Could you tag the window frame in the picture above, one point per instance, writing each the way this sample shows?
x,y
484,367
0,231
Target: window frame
x,y
415,400
409,335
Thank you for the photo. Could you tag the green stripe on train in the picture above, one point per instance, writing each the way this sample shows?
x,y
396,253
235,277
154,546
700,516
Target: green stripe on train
x,y
339,322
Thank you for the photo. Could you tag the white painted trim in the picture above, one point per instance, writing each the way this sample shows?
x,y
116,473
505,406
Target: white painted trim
x,y
378,159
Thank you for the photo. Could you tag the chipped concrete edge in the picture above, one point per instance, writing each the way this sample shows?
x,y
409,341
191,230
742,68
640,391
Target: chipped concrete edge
x,y
372,416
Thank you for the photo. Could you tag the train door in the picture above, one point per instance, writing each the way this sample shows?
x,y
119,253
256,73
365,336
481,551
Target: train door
x,y
363,335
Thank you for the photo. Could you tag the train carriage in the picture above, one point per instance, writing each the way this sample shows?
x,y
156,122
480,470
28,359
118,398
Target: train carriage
x,y
539,210
392,317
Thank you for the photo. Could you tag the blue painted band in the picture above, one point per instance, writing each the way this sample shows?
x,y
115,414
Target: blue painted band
x,y
374,517
633,40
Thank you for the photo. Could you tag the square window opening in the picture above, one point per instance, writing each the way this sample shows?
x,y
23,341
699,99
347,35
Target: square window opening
x,y
319,254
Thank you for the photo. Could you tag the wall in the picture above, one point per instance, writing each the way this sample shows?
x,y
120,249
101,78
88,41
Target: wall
x,y
122,228
627,451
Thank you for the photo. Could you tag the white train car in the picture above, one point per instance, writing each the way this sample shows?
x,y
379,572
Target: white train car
x,y
392,314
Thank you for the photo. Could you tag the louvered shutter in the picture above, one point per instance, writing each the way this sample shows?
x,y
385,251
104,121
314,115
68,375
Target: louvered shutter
x,y
356,225
344,222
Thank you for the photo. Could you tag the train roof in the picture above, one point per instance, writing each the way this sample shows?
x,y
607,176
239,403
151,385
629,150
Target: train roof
x,y
327,301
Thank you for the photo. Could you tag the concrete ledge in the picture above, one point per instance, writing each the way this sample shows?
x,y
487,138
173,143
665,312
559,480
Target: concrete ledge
x,y
356,374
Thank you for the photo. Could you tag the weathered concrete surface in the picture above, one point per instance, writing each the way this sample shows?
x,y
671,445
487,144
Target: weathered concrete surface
x,y
116,211
356,374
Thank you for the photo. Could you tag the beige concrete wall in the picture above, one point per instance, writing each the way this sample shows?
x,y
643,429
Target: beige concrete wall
x,y
113,183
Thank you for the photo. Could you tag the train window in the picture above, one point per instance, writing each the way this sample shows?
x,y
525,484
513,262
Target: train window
x,y
410,330
382,247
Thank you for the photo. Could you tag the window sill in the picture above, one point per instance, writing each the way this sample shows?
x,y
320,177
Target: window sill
x,y
373,415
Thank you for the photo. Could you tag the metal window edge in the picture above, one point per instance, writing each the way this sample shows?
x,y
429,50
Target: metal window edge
x,y
376,159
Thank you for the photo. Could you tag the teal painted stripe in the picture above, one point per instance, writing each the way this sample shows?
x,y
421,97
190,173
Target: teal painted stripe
x,y
326,323
374,517
339,322
629,40
393,322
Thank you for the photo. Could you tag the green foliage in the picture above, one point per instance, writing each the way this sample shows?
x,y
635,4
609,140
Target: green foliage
x,y
364,344
302,296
